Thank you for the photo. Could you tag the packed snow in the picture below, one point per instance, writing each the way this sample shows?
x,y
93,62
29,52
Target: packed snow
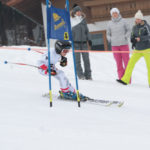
x,y
28,123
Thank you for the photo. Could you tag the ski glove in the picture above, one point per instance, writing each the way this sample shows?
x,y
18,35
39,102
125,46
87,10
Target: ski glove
x,y
53,71
63,61
46,71
133,41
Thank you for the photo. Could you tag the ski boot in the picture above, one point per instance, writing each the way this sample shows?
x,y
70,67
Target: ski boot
x,y
71,96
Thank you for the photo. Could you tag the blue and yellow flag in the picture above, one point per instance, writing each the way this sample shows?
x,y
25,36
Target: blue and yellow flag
x,y
58,24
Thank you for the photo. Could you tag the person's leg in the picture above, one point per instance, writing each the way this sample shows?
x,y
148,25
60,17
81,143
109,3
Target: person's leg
x,y
86,62
78,61
125,57
118,59
128,72
146,55
67,90
65,85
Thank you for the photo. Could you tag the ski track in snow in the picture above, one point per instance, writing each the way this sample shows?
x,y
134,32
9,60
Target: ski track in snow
x,y
28,123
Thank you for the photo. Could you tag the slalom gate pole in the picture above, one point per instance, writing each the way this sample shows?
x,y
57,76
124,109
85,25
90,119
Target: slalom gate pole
x,y
75,72
49,57
77,87
49,68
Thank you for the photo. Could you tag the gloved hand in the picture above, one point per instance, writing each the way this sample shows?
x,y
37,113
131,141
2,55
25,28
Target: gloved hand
x,y
53,71
63,61
90,43
133,41
45,69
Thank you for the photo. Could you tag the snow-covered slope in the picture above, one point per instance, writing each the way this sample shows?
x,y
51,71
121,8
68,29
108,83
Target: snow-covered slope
x,y
28,123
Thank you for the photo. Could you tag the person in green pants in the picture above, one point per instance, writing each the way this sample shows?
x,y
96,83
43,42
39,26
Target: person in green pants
x,y
140,38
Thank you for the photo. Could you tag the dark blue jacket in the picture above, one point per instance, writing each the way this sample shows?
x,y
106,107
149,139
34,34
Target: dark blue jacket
x,y
143,32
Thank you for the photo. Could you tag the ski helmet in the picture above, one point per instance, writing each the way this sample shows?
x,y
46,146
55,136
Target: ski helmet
x,y
60,45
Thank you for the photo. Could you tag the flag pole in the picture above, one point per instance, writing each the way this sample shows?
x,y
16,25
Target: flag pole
x,y
73,52
49,68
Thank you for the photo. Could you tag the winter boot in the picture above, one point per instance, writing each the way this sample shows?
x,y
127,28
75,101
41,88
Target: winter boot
x,y
82,77
88,78
122,82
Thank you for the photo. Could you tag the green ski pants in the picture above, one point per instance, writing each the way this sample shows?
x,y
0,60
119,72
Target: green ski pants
x,y
133,60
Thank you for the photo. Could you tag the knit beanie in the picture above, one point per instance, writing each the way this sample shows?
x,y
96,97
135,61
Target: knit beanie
x,y
114,10
139,15
76,8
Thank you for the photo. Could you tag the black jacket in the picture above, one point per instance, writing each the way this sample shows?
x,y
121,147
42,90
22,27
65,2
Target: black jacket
x,y
143,32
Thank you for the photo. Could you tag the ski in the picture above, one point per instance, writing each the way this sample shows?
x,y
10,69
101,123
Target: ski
x,y
102,102
105,102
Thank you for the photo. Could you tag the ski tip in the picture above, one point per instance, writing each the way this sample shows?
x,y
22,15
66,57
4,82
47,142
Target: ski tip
x,y
120,104
109,104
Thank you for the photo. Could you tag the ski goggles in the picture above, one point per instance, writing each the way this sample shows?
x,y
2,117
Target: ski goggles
x,y
65,50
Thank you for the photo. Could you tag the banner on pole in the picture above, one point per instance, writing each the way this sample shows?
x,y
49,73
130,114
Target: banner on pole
x,y
58,24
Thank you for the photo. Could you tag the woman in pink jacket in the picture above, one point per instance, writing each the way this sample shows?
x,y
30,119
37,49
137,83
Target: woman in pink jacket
x,y
118,32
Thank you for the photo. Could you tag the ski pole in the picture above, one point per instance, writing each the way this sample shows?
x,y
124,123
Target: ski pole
x,y
29,49
22,64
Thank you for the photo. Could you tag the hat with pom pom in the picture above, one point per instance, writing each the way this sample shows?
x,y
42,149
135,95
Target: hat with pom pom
x,y
139,15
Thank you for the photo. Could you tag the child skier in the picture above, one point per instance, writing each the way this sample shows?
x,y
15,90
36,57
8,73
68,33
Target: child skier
x,y
58,55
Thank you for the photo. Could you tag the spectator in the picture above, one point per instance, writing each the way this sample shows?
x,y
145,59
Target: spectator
x,y
81,36
140,39
118,32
